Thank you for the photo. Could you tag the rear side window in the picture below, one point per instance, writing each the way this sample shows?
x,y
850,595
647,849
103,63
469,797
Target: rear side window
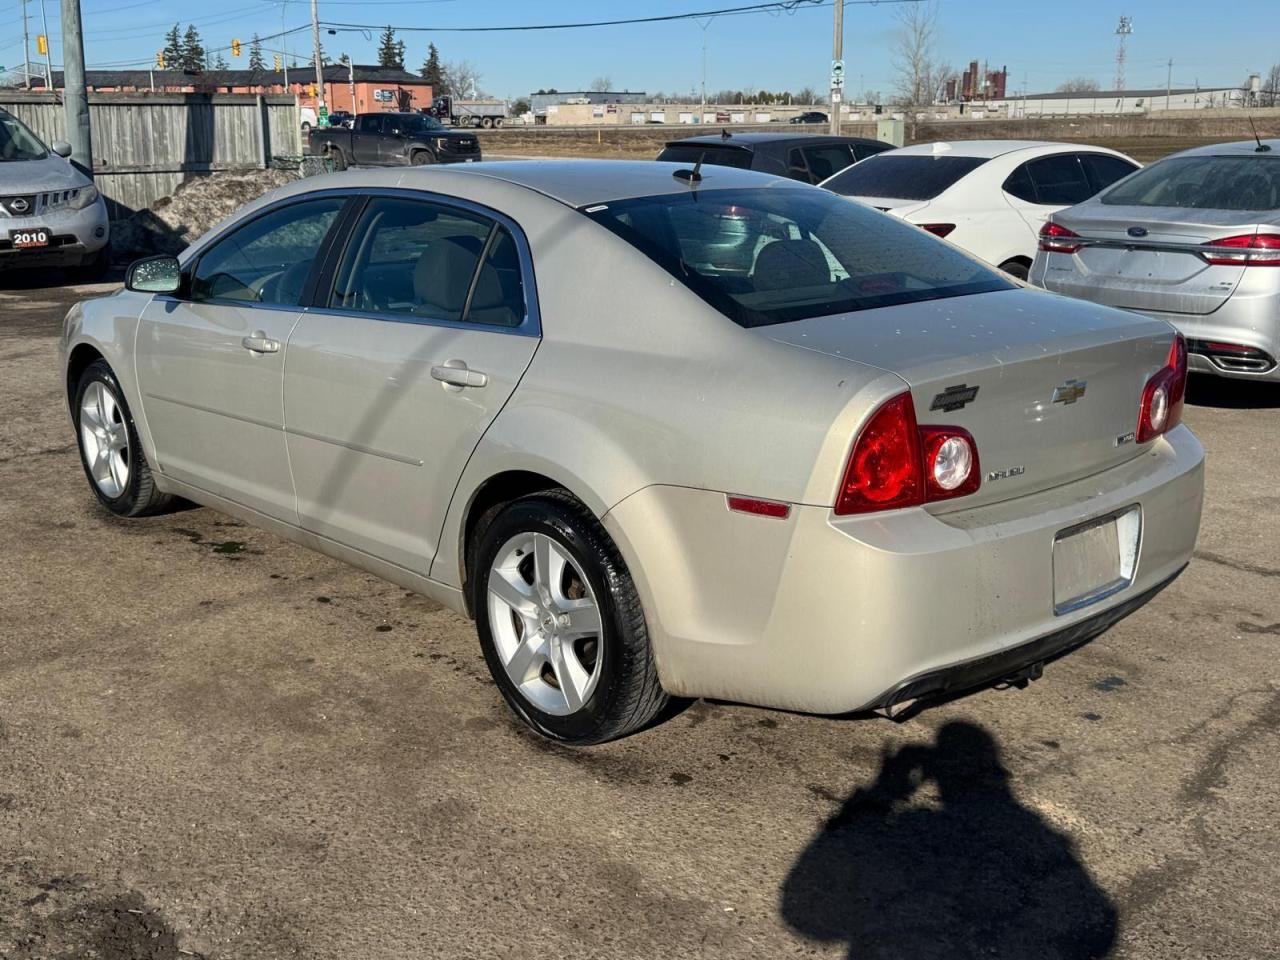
x,y
719,156
1018,184
1203,183
413,258
268,259
863,150
903,177
766,255
826,161
1103,169
1059,180
369,123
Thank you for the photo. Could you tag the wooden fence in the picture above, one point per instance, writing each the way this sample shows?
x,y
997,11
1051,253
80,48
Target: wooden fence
x,y
146,144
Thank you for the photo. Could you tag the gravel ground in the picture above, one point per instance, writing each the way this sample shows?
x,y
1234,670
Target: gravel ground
x,y
214,743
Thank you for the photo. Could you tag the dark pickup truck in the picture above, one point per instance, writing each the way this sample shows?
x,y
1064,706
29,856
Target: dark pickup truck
x,y
393,140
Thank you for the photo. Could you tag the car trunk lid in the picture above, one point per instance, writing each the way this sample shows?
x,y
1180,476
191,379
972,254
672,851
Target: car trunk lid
x,y
1058,382
1148,258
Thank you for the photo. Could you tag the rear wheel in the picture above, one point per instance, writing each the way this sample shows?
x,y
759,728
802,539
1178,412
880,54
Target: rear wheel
x,y
1016,268
337,158
560,624
110,450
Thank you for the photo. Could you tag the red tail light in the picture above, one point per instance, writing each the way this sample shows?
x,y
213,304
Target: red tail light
x,y
1058,239
895,463
938,229
1249,250
1163,396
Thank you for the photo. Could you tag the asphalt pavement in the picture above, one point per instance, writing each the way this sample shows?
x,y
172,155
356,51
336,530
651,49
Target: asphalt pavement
x,y
215,743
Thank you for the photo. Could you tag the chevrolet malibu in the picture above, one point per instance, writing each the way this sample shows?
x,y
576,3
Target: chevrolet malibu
x,y
662,432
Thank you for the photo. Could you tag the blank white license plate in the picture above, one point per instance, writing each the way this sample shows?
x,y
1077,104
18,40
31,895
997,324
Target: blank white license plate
x,y
25,239
1093,560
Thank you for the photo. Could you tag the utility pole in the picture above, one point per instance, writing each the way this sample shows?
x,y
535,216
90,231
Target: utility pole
x,y
75,96
48,53
1168,85
322,112
284,57
351,81
26,48
837,57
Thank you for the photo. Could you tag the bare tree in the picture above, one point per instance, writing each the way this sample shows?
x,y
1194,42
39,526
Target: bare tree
x,y
913,52
1079,85
601,85
808,95
462,79
1271,87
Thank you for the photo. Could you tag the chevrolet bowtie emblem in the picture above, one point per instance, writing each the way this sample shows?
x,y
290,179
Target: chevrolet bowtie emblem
x,y
1070,392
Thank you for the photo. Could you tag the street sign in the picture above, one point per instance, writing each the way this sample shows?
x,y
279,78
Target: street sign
x,y
837,68
836,96
837,83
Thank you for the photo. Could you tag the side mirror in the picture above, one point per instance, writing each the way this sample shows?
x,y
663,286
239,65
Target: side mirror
x,y
154,275
61,148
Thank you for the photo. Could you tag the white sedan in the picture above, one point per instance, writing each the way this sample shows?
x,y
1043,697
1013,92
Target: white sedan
x,y
990,197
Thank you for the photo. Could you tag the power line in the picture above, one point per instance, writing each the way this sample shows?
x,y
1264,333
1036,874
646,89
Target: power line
x,y
776,6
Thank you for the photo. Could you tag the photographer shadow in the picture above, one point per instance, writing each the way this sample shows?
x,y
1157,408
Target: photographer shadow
x,y
972,873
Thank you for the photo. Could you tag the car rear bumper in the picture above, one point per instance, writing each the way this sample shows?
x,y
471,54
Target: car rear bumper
x,y
830,614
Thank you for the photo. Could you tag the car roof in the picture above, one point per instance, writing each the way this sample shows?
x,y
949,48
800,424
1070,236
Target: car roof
x,y
582,182
1237,148
986,149
751,139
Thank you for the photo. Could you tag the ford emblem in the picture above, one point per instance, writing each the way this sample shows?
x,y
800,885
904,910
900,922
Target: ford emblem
x,y
1137,231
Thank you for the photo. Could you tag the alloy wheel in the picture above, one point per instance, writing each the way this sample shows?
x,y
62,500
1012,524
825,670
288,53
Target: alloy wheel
x,y
104,438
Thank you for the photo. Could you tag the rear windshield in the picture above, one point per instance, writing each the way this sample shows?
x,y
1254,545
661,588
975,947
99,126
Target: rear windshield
x,y
911,177
17,142
1202,183
719,156
773,255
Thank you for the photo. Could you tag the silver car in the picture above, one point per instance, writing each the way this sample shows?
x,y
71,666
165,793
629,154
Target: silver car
x,y
51,214
1193,239
660,432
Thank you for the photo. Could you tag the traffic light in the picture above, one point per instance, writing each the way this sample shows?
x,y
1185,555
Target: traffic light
x,y
311,89
42,44
160,59
235,48
279,63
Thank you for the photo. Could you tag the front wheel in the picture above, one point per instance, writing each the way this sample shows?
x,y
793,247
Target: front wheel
x,y
560,623
110,451
420,158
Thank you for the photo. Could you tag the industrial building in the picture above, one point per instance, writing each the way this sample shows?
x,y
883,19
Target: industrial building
x,y
1059,103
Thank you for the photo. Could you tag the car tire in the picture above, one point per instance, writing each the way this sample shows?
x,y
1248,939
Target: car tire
x,y
421,158
338,159
497,121
110,451
582,683
1016,269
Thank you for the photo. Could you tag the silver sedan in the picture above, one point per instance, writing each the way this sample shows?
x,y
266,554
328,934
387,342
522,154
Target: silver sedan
x,y
1193,239
663,432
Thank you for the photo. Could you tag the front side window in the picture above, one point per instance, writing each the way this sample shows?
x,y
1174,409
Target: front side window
x,y
413,258
17,142
902,176
1203,183
766,255
268,259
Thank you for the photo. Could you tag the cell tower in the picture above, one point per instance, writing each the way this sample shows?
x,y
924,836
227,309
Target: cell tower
x,y
1122,34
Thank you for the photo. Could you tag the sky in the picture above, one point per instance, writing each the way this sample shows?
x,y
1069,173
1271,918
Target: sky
x,y
1042,42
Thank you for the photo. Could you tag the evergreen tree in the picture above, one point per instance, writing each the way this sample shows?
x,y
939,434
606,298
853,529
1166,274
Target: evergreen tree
x,y
173,49
192,56
400,54
219,63
431,70
255,55
388,51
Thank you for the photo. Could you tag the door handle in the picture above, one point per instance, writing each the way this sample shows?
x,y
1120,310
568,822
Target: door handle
x,y
259,342
456,373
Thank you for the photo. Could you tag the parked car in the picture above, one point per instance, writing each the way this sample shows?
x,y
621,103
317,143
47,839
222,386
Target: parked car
x,y
724,436
812,116
393,140
807,157
342,118
51,214
988,196
1193,239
